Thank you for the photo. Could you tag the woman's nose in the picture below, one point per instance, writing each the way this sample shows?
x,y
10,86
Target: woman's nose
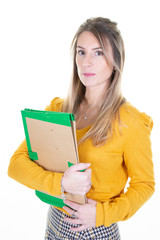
x,y
87,60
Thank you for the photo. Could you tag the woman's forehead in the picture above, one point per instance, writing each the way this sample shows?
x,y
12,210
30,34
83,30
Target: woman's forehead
x,y
88,40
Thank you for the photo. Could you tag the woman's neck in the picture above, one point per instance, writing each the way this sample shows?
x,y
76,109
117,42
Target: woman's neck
x,y
93,98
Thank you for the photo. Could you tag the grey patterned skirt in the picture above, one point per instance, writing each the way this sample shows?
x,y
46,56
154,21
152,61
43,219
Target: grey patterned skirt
x,y
59,229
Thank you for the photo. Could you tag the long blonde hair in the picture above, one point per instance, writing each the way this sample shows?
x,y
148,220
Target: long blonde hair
x,y
105,31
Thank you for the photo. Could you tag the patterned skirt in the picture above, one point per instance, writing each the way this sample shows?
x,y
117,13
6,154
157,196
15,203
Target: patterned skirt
x,y
58,229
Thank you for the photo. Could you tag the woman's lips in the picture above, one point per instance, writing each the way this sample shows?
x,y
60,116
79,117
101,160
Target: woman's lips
x,y
89,74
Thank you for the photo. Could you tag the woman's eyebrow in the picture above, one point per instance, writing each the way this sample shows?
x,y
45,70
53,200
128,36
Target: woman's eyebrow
x,y
92,48
96,48
80,47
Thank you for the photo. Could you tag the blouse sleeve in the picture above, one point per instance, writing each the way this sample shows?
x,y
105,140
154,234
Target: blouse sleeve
x,y
138,161
29,173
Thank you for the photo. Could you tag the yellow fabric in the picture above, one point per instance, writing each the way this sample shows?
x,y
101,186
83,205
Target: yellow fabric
x,y
127,155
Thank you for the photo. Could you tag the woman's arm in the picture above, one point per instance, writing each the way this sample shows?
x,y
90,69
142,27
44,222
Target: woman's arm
x,y
138,161
29,173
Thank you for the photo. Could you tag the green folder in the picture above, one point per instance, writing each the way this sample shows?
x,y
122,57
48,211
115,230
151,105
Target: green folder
x,y
51,142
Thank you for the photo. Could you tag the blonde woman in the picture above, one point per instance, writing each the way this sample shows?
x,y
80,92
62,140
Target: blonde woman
x,y
113,143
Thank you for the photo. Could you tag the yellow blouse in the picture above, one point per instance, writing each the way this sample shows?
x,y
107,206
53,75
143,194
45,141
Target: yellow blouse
x,y
127,155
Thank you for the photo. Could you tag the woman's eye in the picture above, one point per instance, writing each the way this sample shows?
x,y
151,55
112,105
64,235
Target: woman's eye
x,y
99,53
80,52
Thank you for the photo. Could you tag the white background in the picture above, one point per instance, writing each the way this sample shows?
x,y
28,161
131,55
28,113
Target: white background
x,y
35,66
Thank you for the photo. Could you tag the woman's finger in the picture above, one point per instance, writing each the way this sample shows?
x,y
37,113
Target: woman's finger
x,y
88,171
69,210
78,229
73,221
71,204
79,166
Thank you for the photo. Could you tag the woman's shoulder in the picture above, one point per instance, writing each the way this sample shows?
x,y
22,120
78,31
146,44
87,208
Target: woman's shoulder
x,y
131,115
55,105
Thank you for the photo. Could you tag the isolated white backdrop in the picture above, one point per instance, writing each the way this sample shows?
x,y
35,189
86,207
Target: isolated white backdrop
x,y
35,66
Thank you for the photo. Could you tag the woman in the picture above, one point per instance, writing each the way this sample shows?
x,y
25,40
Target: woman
x,y
113,143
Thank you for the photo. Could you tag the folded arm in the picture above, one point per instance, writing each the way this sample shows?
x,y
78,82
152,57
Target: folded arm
x,y
30,174
138,161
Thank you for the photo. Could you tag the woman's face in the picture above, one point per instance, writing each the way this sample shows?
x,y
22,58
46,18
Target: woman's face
x,y
94,70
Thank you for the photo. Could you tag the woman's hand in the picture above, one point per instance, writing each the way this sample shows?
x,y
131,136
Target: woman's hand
x,y
77,182
85,214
